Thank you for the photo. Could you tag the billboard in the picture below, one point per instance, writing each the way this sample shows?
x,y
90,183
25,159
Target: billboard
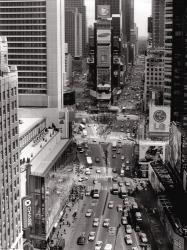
x,y
151,151
175,147
103,56
103,36
159,119
27,219
103,11
103,76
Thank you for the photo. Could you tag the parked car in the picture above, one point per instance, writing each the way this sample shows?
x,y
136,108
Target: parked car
x,y
89,213
110,204
128,239
124,220
91,236
128,229
95,222
106,222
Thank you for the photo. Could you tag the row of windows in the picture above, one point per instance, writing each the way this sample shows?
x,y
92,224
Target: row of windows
x,y
27,56
26,63
12,92
25,21
34,74
14,144
156,69
25,27
35,80
23,33
26,15
27,51
31,91
35,9
32,86
25,3
27,45
33,68
26,39
155,83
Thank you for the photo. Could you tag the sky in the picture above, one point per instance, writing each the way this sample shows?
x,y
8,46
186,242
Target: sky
x,y
142,9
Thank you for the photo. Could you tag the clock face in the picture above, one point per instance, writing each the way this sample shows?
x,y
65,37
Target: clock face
x,y
159,116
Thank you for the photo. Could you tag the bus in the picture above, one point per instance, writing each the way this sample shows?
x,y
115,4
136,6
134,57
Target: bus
x,y
89,161
115,189
123,192
96,190
114,145
84,132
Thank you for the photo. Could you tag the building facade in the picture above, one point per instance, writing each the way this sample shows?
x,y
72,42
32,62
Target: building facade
x,y
154,77
158,22
36,45
10,205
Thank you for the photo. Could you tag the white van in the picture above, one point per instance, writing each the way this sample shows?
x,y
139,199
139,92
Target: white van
x,y
122,172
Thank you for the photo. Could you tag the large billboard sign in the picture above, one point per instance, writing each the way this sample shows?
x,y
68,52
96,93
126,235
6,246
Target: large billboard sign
x,y
27,219
175,147
103,11
159,119
151,151
103,56
103,36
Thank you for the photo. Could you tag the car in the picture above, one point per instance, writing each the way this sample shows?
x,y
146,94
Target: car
x,y
118,151
81,239
106,222
128,229
91,236
122,130
120,183
119,208
127,183
89,213
114,170
98,245
95,222
143,237
128,130
81,179
128,239
124,220
88,172
81,150
126,201
94,140
98,171
113,156
127,161
114,178
138,216
87,192
97,159
127,168
137,228
110,204
135,205
108,247
122,157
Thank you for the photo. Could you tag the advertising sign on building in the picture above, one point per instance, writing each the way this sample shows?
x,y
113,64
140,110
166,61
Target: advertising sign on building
x,y
103,76
103,11
151,151
103,36
175,147
27,219
103,56
159,119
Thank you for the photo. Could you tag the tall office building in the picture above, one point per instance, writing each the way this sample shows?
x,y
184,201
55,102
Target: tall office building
x,y
176,60
35,35
10,207
73,31
79,4
158,22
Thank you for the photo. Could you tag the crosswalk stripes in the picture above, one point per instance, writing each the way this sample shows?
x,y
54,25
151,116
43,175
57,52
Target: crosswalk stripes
x,y
100,176
90,187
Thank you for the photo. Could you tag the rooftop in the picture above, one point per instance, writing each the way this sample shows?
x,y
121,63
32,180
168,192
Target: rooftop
x,y
25,124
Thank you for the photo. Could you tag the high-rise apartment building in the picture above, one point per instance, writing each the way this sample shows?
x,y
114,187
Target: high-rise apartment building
x,y
10,205
35,35
158,22
79,4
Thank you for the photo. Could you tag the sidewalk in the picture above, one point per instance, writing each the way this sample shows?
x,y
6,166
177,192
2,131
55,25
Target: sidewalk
x,y
67,222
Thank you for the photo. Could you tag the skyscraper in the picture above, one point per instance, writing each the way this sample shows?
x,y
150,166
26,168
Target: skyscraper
x,y
176,60
79,4
158,22
35,35
10,206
